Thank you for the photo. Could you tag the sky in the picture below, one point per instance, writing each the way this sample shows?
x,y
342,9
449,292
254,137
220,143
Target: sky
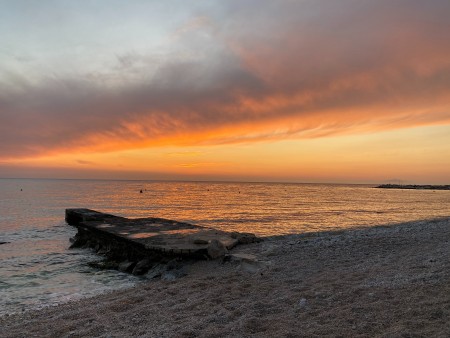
x,y
345,91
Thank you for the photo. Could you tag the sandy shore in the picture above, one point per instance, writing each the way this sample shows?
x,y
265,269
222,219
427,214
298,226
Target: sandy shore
x,y
378,282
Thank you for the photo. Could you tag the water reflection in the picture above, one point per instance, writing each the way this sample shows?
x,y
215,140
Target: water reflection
x,y
37,267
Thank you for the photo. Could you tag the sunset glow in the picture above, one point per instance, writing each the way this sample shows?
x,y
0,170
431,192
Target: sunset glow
x,y
304,91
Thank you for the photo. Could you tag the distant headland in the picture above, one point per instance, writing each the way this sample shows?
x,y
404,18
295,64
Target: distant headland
x,y
414,186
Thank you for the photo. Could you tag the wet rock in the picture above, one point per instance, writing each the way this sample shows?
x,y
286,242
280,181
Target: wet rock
x,y
142,266
156,271
77,242
103,251
216,249
126,266
174,264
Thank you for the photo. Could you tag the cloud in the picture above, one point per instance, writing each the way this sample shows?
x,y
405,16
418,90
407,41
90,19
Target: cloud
x,y
281,70
84,162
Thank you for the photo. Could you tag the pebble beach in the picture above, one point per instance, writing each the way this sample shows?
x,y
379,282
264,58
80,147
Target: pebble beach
x,y
385,281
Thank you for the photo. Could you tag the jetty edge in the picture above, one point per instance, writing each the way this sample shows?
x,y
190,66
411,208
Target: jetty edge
x,y
149,245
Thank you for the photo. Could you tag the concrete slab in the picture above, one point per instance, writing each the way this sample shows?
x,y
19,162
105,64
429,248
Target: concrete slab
x,y
149,234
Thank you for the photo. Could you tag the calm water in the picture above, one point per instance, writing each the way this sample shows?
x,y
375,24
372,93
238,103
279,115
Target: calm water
x,y
37,269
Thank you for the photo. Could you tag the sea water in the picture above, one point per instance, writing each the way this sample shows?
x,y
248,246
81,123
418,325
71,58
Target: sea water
x,y
38,269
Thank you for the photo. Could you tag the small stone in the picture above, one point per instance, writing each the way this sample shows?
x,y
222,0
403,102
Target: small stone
x,y
216,249
302,303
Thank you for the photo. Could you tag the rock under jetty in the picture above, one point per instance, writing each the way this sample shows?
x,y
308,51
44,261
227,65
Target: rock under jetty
x,y
414,186
143,244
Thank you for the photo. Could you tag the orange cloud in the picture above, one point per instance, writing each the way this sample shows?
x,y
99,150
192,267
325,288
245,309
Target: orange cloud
x,y
297,70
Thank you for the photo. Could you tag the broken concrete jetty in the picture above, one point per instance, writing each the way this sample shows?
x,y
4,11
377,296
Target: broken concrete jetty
x,y
135,245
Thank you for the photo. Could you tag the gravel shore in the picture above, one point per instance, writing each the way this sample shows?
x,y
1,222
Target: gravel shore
x,y
387,281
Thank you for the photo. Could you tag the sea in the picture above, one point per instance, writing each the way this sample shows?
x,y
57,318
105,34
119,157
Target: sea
x,y
37,268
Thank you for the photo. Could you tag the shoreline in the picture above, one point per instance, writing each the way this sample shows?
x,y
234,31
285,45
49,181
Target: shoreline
x,y
414,186
377,281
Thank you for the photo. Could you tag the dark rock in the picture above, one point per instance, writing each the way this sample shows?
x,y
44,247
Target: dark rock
x,y
142,266
156,271
126,266
77,242
174,264
103,251
4,242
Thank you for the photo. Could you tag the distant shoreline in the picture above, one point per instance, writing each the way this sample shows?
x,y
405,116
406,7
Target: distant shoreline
x,y
414,186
